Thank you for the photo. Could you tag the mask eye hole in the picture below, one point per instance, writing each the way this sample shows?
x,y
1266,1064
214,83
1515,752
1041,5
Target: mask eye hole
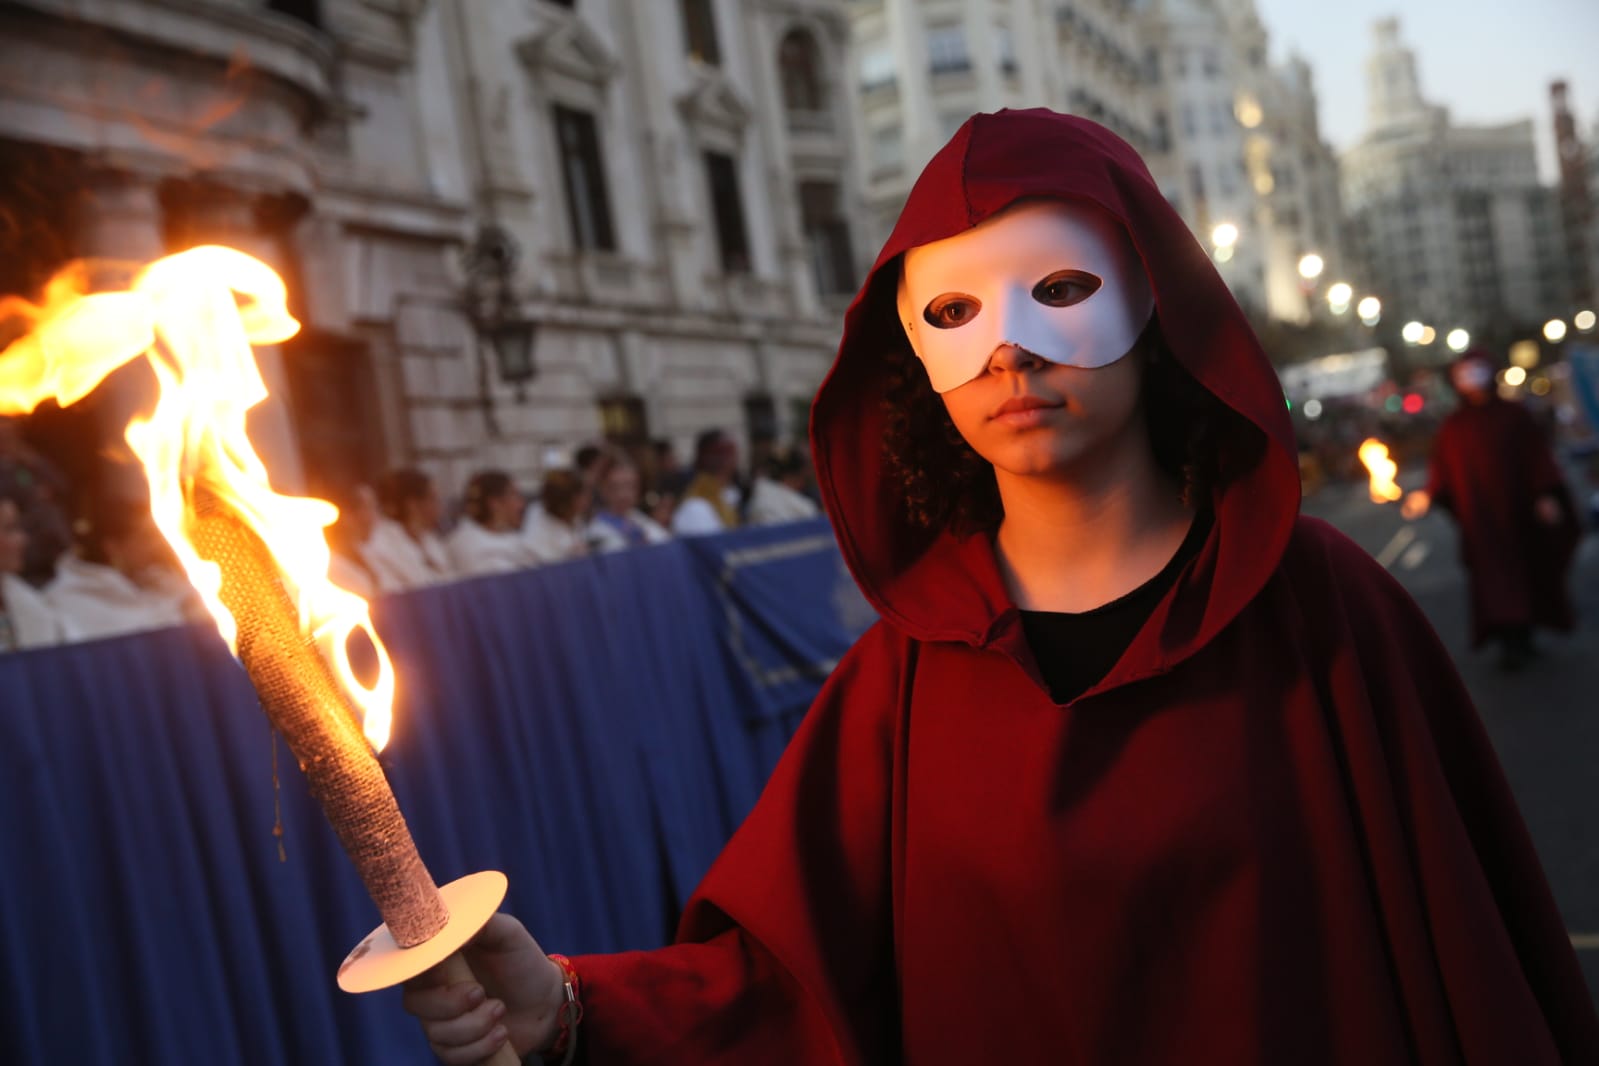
x,y
951,310
1066,287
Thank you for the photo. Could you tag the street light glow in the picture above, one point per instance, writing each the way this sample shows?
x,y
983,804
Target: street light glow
x,y
1225,235
1341,292
1515,376
1248,111
1311,266
1413,332
1370,310
1428,334
1583,320
1554,331
1458,340
1524,353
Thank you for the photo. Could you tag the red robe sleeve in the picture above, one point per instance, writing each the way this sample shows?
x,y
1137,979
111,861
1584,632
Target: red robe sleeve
x,y
1440,473
785,953
1454,869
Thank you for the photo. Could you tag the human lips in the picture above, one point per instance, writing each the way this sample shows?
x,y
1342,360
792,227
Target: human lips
x,y
1021,410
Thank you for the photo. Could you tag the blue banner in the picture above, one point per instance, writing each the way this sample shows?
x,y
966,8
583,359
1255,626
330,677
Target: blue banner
x,y
596,730
787,606
1584,362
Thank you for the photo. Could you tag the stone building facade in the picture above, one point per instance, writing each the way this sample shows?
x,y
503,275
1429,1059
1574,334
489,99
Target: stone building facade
x,y
675,178
1229,138
922,67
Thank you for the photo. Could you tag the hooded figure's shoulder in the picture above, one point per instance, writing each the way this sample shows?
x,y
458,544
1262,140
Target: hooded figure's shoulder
x,y
880,656
1333,577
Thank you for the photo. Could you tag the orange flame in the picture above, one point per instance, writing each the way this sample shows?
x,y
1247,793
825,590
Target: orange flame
x,y
1374,454
195,315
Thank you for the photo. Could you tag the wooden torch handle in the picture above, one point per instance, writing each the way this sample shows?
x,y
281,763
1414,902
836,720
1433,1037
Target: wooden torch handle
x,y
455,970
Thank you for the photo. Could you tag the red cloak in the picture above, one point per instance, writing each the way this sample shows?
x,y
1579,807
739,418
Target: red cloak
x,y
1490,463
1274,833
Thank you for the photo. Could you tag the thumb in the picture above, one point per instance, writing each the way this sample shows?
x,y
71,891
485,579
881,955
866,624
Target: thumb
x,y
503,934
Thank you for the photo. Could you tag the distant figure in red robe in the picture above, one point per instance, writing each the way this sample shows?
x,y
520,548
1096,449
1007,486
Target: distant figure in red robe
x,y
1493,470
1139,766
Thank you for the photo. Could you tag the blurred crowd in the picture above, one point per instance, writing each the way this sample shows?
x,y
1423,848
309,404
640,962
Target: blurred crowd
x,y
83,565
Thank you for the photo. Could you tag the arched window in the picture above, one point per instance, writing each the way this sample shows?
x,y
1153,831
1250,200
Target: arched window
x,y
799,63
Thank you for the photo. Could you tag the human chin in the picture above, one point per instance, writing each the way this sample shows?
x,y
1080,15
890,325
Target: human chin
x,y
1049,449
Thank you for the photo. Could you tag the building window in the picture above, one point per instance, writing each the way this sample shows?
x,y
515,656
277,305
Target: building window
x,y
1196,182
888,150
827,238
587,204
1005,45
877,67
727,210
306,11
946,49
760,419
799,64
623,421
699,28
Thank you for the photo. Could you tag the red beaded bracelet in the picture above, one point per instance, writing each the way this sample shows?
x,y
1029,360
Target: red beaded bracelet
x,y
570,1014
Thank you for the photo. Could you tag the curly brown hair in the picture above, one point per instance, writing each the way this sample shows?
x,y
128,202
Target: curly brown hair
x,y
945,484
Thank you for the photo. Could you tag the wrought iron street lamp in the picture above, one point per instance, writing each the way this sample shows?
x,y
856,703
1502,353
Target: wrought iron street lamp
x,y
491,304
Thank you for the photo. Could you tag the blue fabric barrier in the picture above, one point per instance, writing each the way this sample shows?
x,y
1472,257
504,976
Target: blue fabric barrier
x,y
596,730
1584,362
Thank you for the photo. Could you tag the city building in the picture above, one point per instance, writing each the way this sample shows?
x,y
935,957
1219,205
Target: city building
x,y
1579,177
1448,223
1245,161
1295,173
1211,58
922,67
1234,144
509,227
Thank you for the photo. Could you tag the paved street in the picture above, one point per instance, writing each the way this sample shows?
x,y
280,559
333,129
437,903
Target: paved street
x,y
1544,721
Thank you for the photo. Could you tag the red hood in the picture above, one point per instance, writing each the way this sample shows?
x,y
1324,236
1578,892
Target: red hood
x,y
944,588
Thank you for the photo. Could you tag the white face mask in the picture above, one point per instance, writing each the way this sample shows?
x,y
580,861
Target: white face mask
x,y
1057,279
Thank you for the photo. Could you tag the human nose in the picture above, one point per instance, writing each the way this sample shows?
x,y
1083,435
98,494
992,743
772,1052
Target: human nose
x,y
1013,359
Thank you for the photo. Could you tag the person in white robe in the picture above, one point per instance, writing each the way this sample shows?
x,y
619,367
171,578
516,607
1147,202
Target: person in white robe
x,y
488,539
554,527
777,494
404,550
347,540
26,618
122,577
618,522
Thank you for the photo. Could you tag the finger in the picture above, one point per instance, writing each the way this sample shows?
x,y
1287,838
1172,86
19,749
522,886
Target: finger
x,y
466,1029
501,933
473,1053
442,1002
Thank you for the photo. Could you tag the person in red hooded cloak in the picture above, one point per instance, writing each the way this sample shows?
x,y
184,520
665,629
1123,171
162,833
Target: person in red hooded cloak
x,y
1139,766
1493,470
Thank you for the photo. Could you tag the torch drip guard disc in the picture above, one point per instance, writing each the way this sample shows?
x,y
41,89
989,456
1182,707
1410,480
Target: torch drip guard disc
x,y
378,962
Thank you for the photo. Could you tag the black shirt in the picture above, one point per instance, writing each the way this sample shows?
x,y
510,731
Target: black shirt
x,y
1074,651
